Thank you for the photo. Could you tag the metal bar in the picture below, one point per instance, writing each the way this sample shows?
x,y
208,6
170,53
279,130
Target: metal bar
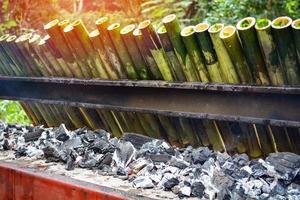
x,y
278,106
20,183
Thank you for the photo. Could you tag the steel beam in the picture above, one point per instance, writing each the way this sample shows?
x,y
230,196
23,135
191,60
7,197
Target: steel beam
x,y
279,106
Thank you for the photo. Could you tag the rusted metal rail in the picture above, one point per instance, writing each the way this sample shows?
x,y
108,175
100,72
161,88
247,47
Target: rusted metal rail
x,y
278,106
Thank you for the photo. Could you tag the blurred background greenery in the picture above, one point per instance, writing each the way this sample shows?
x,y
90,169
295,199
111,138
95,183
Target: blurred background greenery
x,y
19,16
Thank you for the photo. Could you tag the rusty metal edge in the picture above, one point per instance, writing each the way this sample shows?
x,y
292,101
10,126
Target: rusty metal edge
x,y
85,187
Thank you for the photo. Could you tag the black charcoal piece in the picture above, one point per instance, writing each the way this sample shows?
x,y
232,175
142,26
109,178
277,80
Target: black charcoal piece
x,y
197,189
200,155
136,140
169,184
62,133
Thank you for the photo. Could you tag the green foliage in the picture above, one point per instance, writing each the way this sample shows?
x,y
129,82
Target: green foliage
x,y
12,112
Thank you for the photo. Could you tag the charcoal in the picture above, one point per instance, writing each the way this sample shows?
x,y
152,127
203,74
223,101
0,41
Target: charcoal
x,y
136,140
169,184
34,134
240,159
6,145
197,189
102,134
74,143
123,154
102,146
156,158
122,171
139,164
185,191
143,182
179,163
62,134
155,147
200,155
70,164
20,152
106,159
52,153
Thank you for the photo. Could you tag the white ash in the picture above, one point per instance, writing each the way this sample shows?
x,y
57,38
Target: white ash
x,y
156,164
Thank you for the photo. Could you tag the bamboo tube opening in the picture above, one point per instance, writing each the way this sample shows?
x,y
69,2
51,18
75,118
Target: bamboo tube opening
x,y
201,27
4,37
64,22
11,38
34,38
113,26
144,24
246,23
161,30
23,38
94,33
296,24
68,28
127,29
51,24
227,32
102,20
77,22
186,31
216,28
262,24
137,32
281,22
169,18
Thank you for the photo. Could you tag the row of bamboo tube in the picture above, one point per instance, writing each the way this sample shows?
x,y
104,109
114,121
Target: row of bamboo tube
x,y
262,52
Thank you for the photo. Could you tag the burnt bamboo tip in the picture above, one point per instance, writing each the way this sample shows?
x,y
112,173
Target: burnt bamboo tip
x,y
246,23
113,26
281,22
169,18
187,31
137,32
144,24
263,24
94,33
51,24
11,38
202,27
128,29
68,28
4,37
296,24
77,22
227,32
216,28
102,20
24,37
44,40
161,30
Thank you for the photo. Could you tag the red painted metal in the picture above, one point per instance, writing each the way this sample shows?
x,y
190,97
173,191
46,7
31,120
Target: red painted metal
x,y
19,183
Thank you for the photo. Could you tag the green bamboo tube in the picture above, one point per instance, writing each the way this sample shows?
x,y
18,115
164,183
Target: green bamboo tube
x,y
229,72
247,34
265,139
112,122
78,50
99,48
110,50
82,34
230,142
115,36
254,147
56,33
134,52
173,29
267,44
201,133
37,113
189,40
214,135
172,134
281,139
145,51
171,55
240,139
6,60
156,50
208,52
229,37
296,34
282,32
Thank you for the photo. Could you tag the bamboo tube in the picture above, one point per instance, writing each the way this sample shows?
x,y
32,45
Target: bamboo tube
x,y
240,139
29,113
265,139
229,72
200,130
110,50
208,52
234,49
150,62
151,42
294,136
270,52
230,142
281,139
112,122
173,29
247,34
133,50
56,34
296,34
173,60
254,148
189,40
114,34
99,48
6,60
282,32
214,135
